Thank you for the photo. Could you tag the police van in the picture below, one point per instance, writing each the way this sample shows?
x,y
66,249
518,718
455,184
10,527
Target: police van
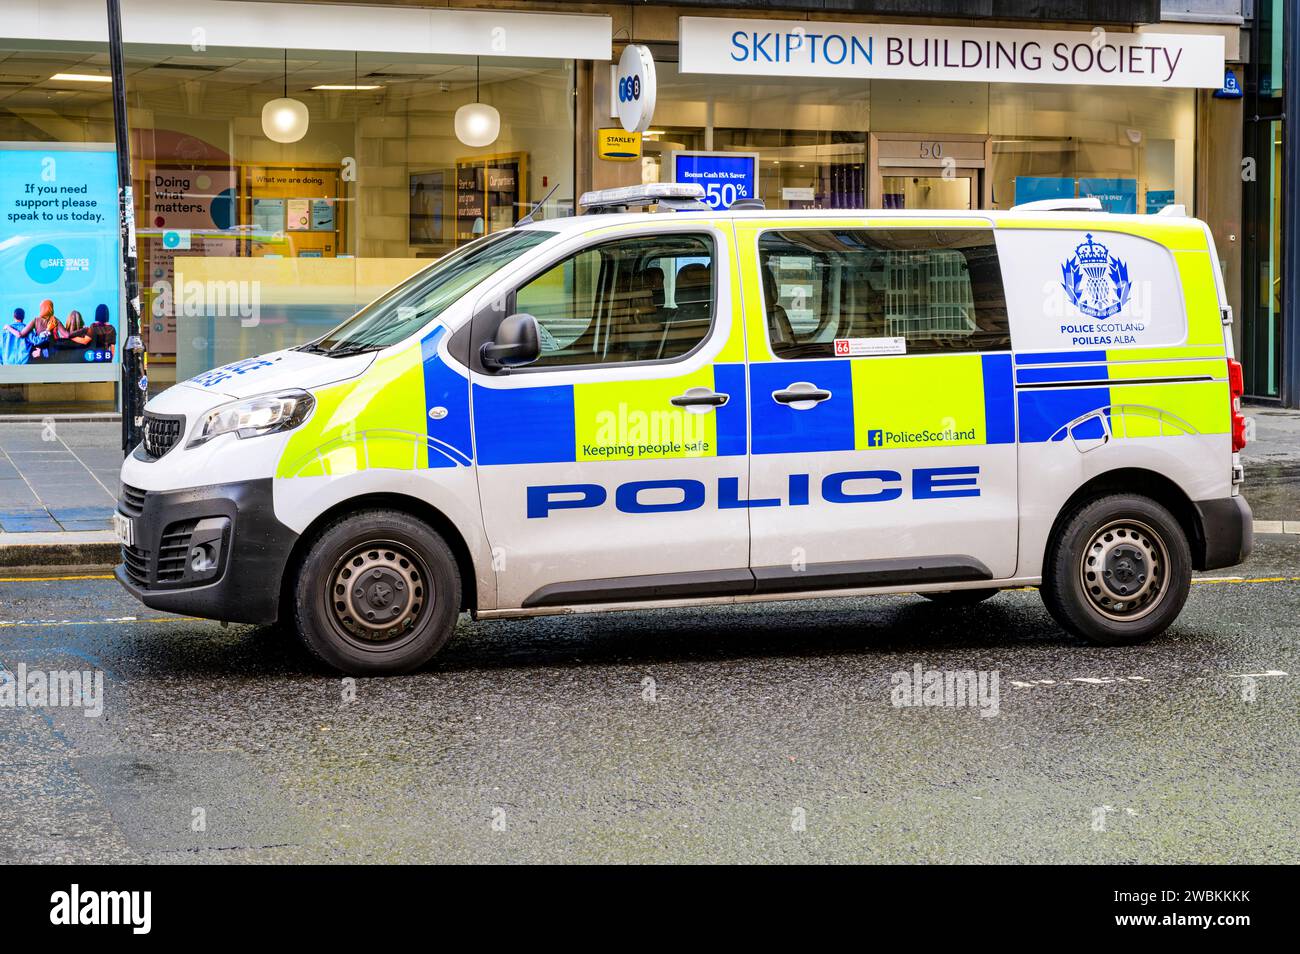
x,y
684,406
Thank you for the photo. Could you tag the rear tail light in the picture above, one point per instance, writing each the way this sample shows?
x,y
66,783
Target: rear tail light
x,y
1236,388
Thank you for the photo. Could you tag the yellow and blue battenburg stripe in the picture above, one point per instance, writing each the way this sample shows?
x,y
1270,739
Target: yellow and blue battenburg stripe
x,y
956,400
450,442
622,420
411,410
1149,392
381,419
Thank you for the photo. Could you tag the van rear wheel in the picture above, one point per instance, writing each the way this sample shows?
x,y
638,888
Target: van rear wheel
x,y
378,593
1119,572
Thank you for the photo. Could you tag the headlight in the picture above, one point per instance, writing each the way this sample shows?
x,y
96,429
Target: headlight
x,y
264,414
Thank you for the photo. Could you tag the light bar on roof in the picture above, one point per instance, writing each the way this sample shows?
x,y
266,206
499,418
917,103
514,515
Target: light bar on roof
x,y
647,194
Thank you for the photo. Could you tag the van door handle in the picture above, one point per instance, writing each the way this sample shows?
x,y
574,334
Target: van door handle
x,y
700,397
801,396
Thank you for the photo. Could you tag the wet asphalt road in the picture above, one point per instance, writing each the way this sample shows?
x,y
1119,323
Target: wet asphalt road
x,y
537,740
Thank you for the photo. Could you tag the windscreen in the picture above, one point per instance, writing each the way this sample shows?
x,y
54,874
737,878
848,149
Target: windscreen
x,y
425,295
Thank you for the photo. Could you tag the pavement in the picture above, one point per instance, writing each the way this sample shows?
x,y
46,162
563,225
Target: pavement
x,y
728,734
1272,463
58,474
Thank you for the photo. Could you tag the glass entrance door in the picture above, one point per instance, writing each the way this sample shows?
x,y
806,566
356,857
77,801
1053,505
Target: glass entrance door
x,y
911,171
925,189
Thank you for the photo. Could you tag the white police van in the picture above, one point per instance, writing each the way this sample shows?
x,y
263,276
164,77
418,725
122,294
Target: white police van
x,y
623,410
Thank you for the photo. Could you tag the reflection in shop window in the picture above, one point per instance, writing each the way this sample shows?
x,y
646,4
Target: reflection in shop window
x,y
305,232
1135,151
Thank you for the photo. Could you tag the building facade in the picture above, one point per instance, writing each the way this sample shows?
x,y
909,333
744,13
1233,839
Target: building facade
x,y
249,243
1269,196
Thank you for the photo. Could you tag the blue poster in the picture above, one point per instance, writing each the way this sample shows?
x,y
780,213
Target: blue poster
x,y
725,176
1157,199
60,260
1117,195
1037,188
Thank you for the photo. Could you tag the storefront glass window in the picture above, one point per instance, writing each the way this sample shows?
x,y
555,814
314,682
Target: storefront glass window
x,y
810,134
1136,152
249,244
59,249
904,144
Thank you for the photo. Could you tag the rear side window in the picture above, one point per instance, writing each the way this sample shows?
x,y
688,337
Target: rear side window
x,y
1092,289
937,290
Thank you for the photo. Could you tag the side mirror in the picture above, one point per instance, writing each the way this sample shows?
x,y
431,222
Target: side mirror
x,y
518,342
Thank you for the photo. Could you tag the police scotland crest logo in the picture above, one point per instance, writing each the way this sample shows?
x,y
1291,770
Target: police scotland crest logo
x,y
1095,281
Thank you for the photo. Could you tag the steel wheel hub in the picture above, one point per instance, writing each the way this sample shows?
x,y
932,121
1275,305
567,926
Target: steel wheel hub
x,y
1123,570
378,591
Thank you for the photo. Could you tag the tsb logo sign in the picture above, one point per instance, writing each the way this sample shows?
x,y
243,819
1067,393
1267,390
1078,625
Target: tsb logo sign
x,y
632,97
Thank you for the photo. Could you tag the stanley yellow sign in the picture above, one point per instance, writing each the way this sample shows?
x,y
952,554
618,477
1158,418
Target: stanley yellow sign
x,y
618,145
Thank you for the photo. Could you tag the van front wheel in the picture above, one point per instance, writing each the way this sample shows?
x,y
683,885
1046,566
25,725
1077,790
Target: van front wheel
x,y
378,593
1119,571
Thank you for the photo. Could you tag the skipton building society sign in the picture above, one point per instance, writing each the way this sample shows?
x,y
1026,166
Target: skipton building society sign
x,y
888,51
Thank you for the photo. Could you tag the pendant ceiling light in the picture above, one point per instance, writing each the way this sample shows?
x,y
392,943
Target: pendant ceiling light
x,y
477,124
285,119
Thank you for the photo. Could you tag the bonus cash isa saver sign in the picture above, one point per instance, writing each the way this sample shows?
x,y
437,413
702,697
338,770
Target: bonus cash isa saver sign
x,y
635,88
725,176
59,243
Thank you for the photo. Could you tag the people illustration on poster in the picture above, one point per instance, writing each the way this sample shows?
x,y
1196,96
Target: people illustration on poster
x,y
46,337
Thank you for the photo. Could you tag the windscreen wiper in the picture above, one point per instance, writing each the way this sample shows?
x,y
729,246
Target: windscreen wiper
x,y
343,351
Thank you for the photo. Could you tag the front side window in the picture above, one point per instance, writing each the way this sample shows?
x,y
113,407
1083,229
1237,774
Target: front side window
x,y
937,289
648,298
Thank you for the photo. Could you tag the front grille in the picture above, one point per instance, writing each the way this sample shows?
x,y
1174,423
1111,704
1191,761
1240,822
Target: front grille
x,y
174,550
161,432
132,502
136,560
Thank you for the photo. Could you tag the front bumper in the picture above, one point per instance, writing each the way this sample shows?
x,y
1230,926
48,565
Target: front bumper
x,y
216,552
1227,532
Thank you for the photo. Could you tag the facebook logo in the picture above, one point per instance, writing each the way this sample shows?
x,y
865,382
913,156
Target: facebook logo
x,y
875,438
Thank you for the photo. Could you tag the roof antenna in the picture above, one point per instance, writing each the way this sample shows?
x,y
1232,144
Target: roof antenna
x,y
529,218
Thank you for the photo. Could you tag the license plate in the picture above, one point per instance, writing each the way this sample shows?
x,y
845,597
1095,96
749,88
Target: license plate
x,y
125,528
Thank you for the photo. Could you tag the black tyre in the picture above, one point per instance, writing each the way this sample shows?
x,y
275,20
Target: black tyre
x,y
1118,572
378,593
959,598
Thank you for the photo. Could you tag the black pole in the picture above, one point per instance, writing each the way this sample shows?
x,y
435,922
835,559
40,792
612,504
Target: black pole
x,y
134,382
1290,212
